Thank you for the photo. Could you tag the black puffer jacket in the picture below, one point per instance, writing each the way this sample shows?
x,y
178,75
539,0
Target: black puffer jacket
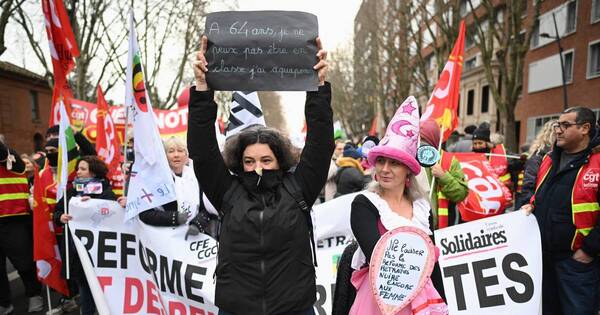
x,y
529,177
265,264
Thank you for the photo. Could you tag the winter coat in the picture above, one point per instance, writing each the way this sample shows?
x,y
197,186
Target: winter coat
x,y
264,261
529,178
76,269
350,176
553,207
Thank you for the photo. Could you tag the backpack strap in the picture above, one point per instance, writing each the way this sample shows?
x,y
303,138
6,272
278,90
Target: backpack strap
x,y
292,188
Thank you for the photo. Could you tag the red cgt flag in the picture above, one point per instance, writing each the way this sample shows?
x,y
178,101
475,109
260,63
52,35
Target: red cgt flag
x,y
63,50
443,103
45,250
107,144
488,196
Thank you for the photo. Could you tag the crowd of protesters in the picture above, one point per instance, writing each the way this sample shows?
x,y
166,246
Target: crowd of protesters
x,y
258,175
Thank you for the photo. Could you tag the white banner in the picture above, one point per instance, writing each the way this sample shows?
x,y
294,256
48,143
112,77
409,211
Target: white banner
x,y
143,269
492,266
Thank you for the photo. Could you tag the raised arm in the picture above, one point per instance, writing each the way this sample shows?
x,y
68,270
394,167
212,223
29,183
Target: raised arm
x,y
311,173
209,167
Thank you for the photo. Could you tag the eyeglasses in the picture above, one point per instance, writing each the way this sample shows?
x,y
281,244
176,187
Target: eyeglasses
x,y
564,125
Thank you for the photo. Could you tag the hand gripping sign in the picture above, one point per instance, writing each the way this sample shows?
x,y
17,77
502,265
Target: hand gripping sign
x,y
400,266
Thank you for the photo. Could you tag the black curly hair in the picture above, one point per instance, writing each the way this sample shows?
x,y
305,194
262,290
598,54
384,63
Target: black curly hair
x,y
277,142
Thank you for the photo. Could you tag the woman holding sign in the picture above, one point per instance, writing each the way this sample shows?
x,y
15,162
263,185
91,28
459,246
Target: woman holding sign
x,y
91,182
265,264
393,199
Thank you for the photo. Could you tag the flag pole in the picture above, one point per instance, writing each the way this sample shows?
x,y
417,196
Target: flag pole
x,y
66,232
439,150
49,301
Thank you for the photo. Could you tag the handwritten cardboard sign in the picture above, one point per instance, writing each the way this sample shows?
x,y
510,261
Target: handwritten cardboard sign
x,y
262,51
401,263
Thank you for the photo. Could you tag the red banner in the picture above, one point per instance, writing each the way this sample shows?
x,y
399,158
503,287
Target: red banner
x,y
84,116
488,196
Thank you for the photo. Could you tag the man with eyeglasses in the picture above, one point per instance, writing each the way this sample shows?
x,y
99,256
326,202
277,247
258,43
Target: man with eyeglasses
x,y
566,207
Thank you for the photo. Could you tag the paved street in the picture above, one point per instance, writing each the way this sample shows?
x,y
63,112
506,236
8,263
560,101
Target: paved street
x,y
18,294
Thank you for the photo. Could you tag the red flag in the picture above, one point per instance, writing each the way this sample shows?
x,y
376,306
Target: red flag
x,y
45,250
443,103
373,130
63,50
488,196
107,144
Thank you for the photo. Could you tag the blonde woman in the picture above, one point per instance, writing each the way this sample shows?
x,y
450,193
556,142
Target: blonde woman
x,y
541,145
392,200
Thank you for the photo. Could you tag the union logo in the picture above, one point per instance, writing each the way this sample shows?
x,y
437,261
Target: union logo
x,y
139,89
591,178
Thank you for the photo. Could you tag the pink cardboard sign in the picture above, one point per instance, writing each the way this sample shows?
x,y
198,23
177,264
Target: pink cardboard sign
x,y
401,264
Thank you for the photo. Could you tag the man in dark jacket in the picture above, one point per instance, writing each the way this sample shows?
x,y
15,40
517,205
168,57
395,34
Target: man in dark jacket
x,y
350,175
566,207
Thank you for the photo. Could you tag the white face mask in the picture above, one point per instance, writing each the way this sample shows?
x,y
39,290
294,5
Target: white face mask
x,y
259,171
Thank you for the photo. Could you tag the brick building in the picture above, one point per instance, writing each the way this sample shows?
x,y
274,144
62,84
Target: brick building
x,y
24,107
542,93
579,29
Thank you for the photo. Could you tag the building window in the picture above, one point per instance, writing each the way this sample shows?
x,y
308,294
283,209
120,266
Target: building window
x,y
470,64
547,73
594,60
568,64
35,107
485,99
470,102
571,17
595,11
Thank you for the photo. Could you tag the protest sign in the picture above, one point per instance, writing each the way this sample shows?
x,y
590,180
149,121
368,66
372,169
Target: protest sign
x,y
401,264
492,266
261,51
144,269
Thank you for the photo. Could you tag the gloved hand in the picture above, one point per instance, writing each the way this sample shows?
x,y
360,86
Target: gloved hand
x,y
182,217
192,230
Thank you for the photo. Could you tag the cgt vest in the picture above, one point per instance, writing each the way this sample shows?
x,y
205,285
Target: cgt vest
x,y
584,201
14,194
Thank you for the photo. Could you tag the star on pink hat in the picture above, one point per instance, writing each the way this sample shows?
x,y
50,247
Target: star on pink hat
x,y
401,137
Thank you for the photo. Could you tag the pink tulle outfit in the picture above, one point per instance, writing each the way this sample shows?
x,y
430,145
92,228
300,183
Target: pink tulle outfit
x,y
428,301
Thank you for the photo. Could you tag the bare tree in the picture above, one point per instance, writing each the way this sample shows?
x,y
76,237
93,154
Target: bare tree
x,y
8,8
169,32
433,30
503,39
272,109
354,115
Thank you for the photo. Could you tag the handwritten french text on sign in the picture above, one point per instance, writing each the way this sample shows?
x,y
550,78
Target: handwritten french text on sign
x,y
402,262
262,51
492,266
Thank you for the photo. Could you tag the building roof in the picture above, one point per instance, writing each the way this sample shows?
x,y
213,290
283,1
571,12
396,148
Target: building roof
x,y
22,72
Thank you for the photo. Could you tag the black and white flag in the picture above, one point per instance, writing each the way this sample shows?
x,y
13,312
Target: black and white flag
x,y
246,111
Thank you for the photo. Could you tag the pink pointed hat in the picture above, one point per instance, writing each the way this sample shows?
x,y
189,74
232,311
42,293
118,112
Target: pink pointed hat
x,y
401,137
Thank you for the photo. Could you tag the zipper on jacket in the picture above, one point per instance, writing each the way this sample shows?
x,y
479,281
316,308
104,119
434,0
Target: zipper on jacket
x,y
262,261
